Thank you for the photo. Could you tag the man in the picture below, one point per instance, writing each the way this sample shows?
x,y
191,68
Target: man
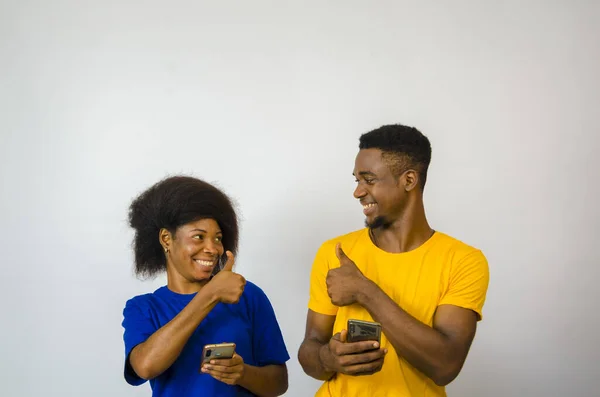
x,y
425,288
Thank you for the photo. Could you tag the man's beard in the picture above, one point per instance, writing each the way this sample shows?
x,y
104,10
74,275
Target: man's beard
x,y
378,223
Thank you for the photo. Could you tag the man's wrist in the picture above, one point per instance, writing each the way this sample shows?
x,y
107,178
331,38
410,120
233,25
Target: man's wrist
x,y
366,291
324,354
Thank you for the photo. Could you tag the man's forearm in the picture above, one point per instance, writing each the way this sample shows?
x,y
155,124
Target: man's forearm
x,y
423,347
310,357
267,381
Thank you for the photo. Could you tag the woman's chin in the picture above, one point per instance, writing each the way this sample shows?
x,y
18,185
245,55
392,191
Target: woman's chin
x,y
204,273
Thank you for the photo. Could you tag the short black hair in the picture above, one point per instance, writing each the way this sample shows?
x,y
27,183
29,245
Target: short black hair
x,y
402,148
169,204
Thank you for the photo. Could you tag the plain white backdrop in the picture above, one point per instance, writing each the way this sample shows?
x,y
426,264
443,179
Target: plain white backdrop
x,y
98,100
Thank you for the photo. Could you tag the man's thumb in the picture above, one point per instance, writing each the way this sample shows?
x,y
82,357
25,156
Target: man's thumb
x,y
341,255
343,335
230,261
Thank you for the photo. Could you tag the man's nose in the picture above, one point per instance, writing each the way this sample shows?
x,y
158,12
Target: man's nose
x,y
359,192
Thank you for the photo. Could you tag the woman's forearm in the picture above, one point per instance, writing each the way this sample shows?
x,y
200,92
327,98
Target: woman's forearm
x,y
152,357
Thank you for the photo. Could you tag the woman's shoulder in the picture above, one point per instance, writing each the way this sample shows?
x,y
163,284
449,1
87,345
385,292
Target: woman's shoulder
x,y
143,301
251,289
255,294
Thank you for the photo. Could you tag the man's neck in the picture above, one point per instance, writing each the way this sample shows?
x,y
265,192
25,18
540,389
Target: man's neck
x,y
405,234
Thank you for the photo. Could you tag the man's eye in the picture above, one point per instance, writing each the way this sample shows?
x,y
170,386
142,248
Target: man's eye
x,y
367,181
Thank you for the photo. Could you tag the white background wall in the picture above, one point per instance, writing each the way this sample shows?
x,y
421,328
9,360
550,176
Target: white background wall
x,y
100,99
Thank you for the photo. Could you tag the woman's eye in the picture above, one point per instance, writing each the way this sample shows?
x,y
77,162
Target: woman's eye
x,y
199,237
218,239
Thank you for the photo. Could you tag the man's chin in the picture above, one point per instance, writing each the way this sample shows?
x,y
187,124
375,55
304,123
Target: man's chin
x,y
378,223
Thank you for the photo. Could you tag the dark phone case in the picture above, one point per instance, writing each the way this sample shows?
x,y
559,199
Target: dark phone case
x,y
359,330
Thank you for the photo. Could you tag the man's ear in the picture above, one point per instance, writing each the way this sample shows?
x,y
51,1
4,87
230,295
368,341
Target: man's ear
x,y
409,179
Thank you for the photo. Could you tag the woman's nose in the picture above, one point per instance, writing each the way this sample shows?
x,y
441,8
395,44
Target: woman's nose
x,y
211,247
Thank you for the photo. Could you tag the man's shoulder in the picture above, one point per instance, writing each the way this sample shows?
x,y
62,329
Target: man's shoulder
x,y
348,239
458,248
326,255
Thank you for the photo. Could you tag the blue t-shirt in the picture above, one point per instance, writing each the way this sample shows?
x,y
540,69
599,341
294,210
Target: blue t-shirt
x,y
250,324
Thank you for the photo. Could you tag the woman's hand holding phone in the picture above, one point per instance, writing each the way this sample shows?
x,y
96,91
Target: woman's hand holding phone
x,y
226,370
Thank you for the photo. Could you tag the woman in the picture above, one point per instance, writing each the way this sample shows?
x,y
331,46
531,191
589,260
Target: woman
x,y
189,229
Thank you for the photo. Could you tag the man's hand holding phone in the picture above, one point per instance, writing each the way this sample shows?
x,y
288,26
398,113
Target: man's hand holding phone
x,y
351,358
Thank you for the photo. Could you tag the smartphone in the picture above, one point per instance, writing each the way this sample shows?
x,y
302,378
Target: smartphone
x,y
359,330
217,351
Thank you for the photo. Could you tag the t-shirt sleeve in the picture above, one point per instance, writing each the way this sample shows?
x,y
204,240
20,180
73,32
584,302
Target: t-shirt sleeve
x,y
268,346
138,328
319,300
468,283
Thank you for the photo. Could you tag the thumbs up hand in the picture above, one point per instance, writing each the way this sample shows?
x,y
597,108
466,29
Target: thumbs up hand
x,y
227,286
345,283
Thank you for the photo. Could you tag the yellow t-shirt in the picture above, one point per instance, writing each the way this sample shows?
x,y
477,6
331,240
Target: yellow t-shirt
x,y
441,271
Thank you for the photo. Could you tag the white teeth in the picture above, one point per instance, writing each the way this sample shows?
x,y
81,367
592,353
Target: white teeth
x,y
204,263
369,205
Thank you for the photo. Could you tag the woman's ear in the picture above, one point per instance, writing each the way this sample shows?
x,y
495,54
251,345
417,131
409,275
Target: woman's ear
x,y
166,239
